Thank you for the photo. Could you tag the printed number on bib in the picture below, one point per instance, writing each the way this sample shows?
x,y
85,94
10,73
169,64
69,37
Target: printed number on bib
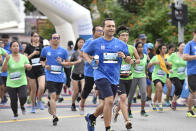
x,y
181,70
125,70
160,73
35,61
15,76
55,69
110,58
138,69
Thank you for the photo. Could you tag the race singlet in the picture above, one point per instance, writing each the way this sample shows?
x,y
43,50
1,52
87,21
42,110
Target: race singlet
x,y
35,61
55,69
15,76
110,58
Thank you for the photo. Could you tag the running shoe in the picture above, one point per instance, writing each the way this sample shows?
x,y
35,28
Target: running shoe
x,y
173,106
33,109
167,103
4,100
128,125
190,114
194,109
134,100
154,108
148,98
55,120
90,123
15,118
130,114
41,105
60,99
160,107
143,113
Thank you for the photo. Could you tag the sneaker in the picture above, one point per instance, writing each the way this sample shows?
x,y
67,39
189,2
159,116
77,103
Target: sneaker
x,y
130,114
55,120
173,106
40,105
60,99
15,117
128,125
148,98
134,100
94,100
167,103
90,123
49,110
33,109
4,100
190,114
160,107
154,108
143,113
70,93
23,110
73,107
194,109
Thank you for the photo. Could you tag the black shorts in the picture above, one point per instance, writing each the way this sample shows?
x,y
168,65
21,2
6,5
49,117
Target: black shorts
x,y
124,87
77,77
35,72
54,87
157,81
192,83
1,81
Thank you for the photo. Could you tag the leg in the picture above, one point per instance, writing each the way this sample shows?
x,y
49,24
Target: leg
x,y
32,84
41,81
169,87
75,89
22,94
107,111
14,99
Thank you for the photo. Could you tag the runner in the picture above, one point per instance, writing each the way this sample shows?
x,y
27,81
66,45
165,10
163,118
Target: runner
x,y
36,75
125,77
159,74
16,64
53,58
88,70
77,72
177,73
110,51
139,78
190,56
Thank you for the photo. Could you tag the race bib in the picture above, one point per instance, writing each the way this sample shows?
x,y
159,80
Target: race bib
x,y
55,69
160,73
110,58
35,61
138,69
125,69
15,76
181,70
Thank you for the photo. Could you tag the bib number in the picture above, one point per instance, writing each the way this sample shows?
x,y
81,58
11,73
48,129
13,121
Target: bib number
x,y
181,70
55,69
35,61
138,69
160,73
15,76
110,58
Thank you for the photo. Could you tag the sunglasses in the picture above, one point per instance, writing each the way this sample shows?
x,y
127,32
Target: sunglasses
x,y
56,38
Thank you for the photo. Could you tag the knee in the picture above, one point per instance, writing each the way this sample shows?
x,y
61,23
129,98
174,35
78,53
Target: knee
x,y
123,99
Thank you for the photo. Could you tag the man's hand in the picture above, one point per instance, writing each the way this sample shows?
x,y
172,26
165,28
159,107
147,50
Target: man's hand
x,y
121,54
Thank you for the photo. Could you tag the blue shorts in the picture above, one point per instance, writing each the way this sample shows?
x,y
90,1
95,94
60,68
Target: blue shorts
x,y
105,88
148,81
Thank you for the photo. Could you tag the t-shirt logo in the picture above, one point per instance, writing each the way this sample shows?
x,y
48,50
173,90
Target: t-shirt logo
x,y
102,47
49,53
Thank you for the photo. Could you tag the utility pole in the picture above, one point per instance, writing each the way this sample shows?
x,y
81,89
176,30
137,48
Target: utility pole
x,y
178,5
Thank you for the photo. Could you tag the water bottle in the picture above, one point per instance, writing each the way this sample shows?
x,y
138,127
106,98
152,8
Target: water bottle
x,y
96,58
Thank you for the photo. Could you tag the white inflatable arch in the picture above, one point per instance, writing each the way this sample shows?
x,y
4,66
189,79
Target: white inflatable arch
x,y
70,19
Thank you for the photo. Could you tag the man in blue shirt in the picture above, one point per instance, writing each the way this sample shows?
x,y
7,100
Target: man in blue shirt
x,y
143,39
111,51
190,56
88,70
53,58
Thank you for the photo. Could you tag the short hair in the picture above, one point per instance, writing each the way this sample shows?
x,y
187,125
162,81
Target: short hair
x,y
122,27
5,36
159,40
76,45
94,28
107,19
170,46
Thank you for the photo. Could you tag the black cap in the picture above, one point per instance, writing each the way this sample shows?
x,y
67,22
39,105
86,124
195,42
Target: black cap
x,y
70,43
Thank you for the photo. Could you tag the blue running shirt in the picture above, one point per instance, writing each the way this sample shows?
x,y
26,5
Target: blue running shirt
x,y
56,73
109,62
88,70
190,49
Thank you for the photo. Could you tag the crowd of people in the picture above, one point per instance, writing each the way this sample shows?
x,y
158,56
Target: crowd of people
x,y
106,62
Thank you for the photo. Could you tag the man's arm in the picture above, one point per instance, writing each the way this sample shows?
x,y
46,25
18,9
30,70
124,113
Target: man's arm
x,y
188,57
